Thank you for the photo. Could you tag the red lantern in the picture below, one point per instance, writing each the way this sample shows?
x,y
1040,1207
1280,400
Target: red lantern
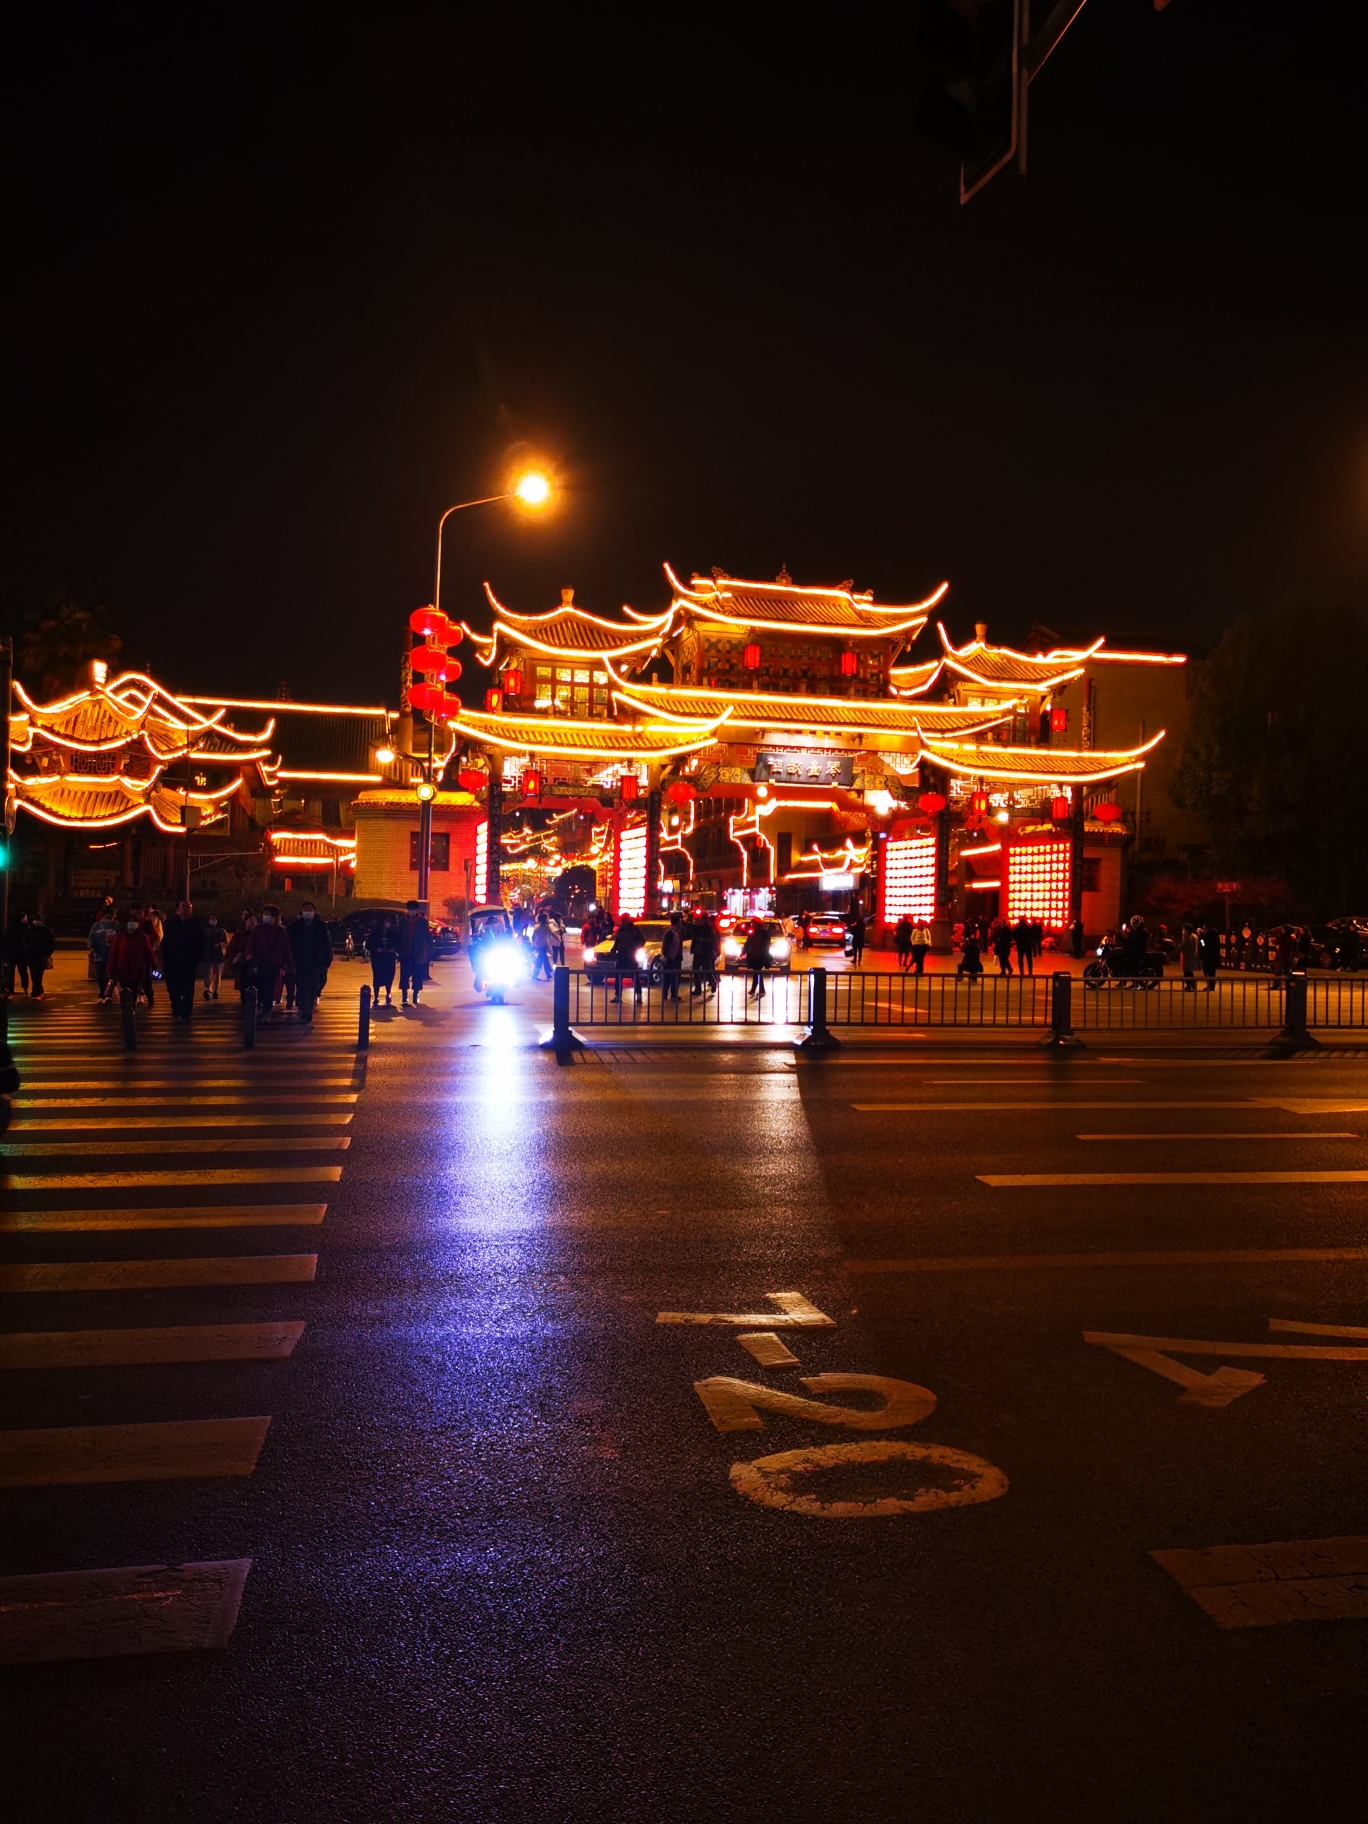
x,y
429,659
750,658
1107,812
452,633
470,779
1059,720
1060,808
849,663
531,785
512,682
978,804
427,621
427,697
628,786
453,670
931,803
493,701
682,792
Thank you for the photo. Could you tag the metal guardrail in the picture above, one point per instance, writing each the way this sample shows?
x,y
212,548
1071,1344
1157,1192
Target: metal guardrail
x,y
1053,1004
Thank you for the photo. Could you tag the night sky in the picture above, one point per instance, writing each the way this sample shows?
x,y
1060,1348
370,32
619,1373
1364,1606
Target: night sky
x,y
285,281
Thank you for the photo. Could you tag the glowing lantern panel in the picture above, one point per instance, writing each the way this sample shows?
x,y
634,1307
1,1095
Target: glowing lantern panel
x,y
1060,808
531,784
849,664
629,872
1059,720
481,862
513,682
628,787
493,701
978,804
1038,882
750,658
908,880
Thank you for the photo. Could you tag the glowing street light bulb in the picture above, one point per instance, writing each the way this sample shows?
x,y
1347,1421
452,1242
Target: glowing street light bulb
x,y
532,489
425,791
385,755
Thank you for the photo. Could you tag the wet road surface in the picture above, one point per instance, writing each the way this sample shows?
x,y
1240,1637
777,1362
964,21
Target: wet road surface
x,y
501,1567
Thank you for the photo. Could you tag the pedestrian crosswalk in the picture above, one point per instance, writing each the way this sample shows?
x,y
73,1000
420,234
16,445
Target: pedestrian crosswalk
x,y
95,1221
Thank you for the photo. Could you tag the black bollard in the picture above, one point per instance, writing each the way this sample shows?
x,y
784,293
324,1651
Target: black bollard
x,y
363,1022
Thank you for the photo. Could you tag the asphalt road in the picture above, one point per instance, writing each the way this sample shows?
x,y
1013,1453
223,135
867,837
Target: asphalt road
x,y
500,1568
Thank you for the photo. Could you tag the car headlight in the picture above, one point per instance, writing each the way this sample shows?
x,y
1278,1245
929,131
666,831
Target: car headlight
x,y
641,959
590,954
731,948
780,947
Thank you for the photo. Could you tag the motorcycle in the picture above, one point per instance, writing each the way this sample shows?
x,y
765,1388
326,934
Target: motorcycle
x,y
1109,967
498,959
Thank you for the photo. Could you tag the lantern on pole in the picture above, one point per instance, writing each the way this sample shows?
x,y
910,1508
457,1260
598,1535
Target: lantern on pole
x,y
430,660
426,697
428,622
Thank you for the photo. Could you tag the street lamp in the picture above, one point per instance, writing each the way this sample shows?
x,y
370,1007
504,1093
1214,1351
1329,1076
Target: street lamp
x,y
532,489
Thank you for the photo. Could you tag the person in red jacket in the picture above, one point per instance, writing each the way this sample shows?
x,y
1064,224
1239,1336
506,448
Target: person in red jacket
x,y
268,959
130,961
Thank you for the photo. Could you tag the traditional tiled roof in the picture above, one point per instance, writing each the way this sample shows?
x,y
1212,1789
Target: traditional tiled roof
x,y
586,740
320,744
771,709
1000,668
729,601
569,632
914,680
1035,765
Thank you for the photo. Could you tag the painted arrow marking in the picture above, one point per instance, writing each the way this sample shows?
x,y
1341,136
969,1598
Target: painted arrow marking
x,y
1225,1384
797,1313
1216,1389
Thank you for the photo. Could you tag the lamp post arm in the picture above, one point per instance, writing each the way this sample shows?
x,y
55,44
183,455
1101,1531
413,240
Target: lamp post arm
x,y
486,500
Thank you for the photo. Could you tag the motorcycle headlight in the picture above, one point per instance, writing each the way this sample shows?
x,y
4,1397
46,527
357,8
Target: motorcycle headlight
x,y
641,959
780,947
731,948
590,954
504,966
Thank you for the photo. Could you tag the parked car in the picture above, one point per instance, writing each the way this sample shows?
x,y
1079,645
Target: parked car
x,y
734,945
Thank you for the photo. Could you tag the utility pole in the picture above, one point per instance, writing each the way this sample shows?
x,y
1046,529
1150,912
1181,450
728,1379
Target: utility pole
x,y
7,700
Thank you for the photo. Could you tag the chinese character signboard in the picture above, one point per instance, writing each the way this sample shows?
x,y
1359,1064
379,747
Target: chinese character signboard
x,y
780,767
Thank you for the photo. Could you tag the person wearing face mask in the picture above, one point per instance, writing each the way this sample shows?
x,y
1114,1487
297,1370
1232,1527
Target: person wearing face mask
x,y
269,960
312,950
130,960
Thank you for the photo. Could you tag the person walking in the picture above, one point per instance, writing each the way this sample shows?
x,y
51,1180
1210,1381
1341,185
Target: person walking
x,y
623,955
1000,936
100,936
703,947
39,944
856,926
269,960
543,945
921,945
16,969
1024,939
235,956
414,944
1283,952
557,924
672,957
384,958
215,945
182,947
902,942
1076,938
1209,955
311,948
130,958
756,957
1188,956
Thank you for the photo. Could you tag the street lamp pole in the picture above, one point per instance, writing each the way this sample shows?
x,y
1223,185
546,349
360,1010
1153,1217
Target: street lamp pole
x,y
532,490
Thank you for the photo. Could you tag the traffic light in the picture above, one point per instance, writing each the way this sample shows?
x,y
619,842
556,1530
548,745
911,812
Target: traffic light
x,y
970,95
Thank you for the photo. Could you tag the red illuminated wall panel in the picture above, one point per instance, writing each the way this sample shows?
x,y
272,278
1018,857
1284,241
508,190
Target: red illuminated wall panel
x,y
1038,882
908,886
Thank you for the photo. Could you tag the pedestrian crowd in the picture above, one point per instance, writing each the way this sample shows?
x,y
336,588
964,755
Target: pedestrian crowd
x,y
399,943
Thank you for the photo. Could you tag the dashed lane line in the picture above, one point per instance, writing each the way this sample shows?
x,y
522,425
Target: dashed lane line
x,y
178,1450
140,1608
1261,1586
1017,1180
1170,1257
125,1275
210,1216
207,1143
175,1100
118,1181
1230,1134
1171,1345
270,1342
1007,1108
101,1123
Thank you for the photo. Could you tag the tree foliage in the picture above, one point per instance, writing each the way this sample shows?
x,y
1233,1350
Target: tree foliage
x,y
59,644
1276,758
